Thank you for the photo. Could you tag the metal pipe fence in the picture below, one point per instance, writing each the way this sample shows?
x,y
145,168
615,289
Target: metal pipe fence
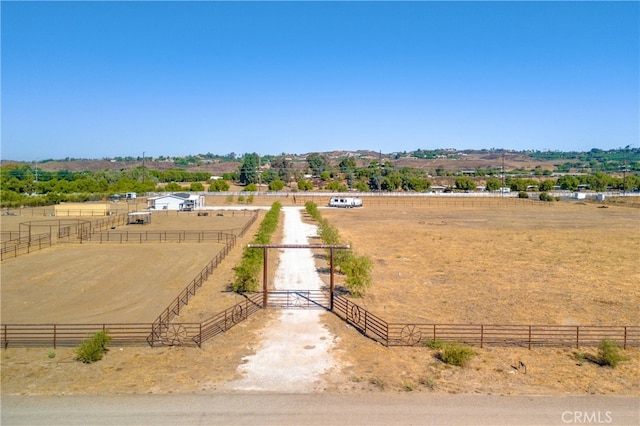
x,y
389,334
419,334
24,245
175,236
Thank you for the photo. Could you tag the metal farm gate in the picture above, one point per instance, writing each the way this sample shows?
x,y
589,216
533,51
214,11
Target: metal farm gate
x,y
298,298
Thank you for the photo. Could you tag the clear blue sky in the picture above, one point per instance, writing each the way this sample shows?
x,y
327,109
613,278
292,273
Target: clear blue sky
x,y
105,79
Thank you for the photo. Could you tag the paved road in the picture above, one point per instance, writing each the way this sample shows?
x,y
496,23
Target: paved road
x,y
319,409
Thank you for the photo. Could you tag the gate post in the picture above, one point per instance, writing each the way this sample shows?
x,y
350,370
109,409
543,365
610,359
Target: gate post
x,y
264,280
331,283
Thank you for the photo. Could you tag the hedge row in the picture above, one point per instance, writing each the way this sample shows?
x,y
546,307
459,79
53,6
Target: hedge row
x,y
248,272
356,268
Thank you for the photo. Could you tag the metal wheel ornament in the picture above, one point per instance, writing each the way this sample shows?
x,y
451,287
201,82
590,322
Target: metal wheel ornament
x,y
354,314
297,301
411,334
236,315
175,334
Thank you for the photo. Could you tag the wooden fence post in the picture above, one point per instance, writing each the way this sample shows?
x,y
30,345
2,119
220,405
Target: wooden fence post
x,y
529,337
55,335
624,346
577,337
481,336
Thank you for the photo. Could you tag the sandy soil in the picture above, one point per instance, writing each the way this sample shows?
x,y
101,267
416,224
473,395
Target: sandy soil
x,y
427,247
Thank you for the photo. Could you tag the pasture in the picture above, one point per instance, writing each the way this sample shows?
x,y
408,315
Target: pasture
x,y
494,263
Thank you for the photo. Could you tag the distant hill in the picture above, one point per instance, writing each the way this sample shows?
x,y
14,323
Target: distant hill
x,y
429,160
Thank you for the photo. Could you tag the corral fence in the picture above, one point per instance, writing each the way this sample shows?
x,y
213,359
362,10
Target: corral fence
x,y
201,212
164,319
420,334
160,332
123,334
24,245
368,324
176,236
26,240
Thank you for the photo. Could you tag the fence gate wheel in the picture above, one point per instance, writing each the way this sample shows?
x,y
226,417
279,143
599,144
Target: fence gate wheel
x,y
175,335
411,334
236,315
354,314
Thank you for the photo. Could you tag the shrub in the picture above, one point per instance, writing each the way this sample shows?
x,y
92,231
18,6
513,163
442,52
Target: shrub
x,y
457,354
358,270
435,344
523,194
609,353
546,197
93,348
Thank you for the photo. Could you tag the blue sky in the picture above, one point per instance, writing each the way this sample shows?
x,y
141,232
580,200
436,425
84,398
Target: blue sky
x,y
105,79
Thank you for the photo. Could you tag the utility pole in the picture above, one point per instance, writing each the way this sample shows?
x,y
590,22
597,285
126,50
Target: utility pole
x,y
143,166
502,189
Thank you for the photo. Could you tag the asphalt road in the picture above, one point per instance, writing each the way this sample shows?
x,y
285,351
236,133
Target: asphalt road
x,y
319,409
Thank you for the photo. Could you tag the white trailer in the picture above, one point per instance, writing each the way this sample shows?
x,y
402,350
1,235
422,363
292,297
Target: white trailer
x,y
346,202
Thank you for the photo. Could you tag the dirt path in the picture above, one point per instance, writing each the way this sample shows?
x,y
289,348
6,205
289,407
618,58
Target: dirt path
x,y
295,351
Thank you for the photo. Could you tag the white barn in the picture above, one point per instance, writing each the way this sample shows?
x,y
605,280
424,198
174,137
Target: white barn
x,y
179,201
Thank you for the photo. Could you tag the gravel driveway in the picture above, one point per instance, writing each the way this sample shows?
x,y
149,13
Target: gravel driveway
x,y
295,350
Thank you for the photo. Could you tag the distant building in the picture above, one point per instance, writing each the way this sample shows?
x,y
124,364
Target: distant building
x,y
180,201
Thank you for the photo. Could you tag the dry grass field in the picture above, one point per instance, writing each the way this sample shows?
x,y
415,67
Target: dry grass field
x,y
568,263
565,263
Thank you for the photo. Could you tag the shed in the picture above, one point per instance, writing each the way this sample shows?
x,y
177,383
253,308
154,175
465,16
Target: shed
x,y
138,218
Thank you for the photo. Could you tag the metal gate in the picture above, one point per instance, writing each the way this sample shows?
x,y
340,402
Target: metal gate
x,y
299,299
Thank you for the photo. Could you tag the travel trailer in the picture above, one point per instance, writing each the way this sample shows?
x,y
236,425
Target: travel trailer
x,y
347,202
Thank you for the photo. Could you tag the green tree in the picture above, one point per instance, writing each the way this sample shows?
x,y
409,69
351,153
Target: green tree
x,y
493,184
276,185
305,185
347,165
546,185
465,183
317,163
172,187
336,186
281,165
568,182
249,169
196,187
219,185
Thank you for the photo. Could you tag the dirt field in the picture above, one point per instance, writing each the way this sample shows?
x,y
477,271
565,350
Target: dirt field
x,y
566,264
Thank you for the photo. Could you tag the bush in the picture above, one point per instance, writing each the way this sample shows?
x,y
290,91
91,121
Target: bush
x,y
609,353
546,197
93,348
523,194
358,271
435,344
457,354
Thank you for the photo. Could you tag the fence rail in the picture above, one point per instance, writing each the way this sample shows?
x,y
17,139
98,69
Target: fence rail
x,y
370,325
417,334
226,319
173,309
163,236
24,245
57,335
